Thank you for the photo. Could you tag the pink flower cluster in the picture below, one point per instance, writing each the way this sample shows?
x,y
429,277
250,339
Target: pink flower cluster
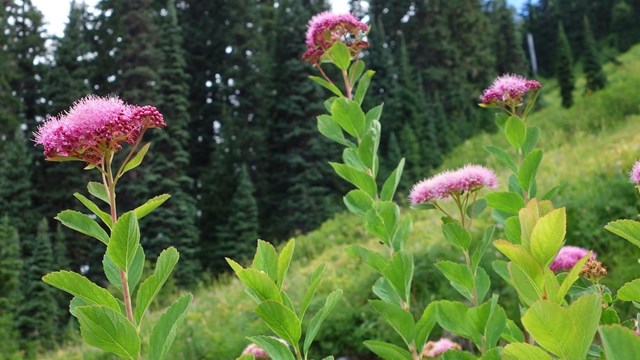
x,y
441,186
256,351
634,176
567,257
326,28
93,126
433,349
508,89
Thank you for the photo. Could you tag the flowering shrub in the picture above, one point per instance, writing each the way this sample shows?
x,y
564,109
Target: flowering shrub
x,y
93,131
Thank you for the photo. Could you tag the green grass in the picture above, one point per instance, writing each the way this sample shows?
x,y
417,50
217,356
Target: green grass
x,y
589,149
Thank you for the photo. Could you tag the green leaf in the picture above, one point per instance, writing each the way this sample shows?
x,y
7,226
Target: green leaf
x,y
523,259
516,131
452,316
547,236
571,278
524,351
137,159
459,276
529,217
340,55
165,331
124,242
387,351
512,332
108,330
425,324
318,319
626,229
150,288
494,323
266,260
358,202
327,85
350,157
609,316
331,130
619,342
82,288
273,347
144,209
385,291
391,184
348,114
481,246
401,235
399,273
83,224
456,235
453,354
106,218
314,282
400,319
483,283
372,118
512,230
503,157
363,85
507,202
530,142
476,208
370,257
98,190
630,291
367,150
112,271
529,169
501,268
358,178
355,70
382,220
281,320
284,260
528,290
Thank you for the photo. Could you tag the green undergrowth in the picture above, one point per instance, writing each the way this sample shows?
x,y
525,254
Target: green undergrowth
x,y
589,149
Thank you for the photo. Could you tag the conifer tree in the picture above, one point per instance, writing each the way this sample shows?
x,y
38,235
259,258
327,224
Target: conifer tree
x,y
10,267
509,53
15,186
9,119
596,78
37,311
237,237
564,68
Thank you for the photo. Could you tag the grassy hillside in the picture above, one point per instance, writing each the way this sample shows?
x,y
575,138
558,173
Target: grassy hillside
x,y
589,149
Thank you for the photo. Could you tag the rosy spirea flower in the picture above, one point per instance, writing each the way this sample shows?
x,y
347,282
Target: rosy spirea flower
x,y
634,176
93,126
256,351
326,28
441,186
567,257
508,89
433,349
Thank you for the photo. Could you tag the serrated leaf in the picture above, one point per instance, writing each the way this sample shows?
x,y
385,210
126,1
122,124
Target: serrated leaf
x,y
400,319
459,277
82,288
98,190
266,260
284,260
358,202
348,114
456,235
106,218
137,159
399,273
516,131
507,202
318,319
124,241
385,291
425,324
382,220
524,351
259,285
340,54
529,169
626,229
281,320
83,224
112,271
331,130
146,208
108,330
391,184
370,257
619,343
358,178
387,351
630,291
548,235
165,331
150,288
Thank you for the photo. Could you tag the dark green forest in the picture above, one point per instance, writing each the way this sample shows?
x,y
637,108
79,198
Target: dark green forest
x,y
241,156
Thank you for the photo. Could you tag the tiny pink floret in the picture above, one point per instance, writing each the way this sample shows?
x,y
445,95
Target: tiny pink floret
x,y
443,185
93,126
567,257
255,350
508,89
634,176
435,348
327,28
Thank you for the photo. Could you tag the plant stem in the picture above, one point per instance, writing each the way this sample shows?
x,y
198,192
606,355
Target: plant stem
x,y
347,84
110,186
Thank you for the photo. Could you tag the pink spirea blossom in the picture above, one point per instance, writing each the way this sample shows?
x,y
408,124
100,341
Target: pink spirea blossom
x,y
433,349
441,186
256,351
508,89
326,28
567,257
634,176
93,126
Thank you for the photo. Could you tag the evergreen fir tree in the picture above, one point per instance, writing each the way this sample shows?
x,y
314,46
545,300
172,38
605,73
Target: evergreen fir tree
x,y
564,68
509,52
15,185
36,313
9,119
174,222
237,237
10,266
596,78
